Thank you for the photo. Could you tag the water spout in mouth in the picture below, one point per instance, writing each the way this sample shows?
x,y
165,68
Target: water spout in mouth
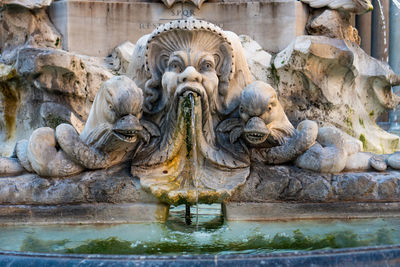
x,y
191,147
194,156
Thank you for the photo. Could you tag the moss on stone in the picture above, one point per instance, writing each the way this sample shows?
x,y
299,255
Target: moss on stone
x,y
275,75
349,122
361,121
363,141
53,121
371,114
57,42
395,145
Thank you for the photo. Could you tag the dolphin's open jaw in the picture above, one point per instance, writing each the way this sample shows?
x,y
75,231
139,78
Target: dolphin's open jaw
x,y
129,136
255,137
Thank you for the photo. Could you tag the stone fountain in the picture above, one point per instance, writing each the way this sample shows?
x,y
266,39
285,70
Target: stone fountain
x,y
192,113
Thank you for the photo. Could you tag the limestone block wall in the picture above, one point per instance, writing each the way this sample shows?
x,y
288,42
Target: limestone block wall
x,y
95,28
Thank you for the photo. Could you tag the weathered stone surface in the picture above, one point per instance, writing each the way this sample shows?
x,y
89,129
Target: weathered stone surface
x,y
121,57
288,183
378,163
251,211
259,60
303,138
58,71
328,155
394,161
358,162
334,82
272,183
30,4
197,73
170,3
333,24
350,187
96,28
46,87
265,184
354,6
114,185
83,213
23,27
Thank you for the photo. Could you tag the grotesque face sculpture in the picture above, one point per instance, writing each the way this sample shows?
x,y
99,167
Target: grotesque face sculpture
x,y
190,72
191,89
266,121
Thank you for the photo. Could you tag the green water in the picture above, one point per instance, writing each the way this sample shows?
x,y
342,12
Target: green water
x,y
211,236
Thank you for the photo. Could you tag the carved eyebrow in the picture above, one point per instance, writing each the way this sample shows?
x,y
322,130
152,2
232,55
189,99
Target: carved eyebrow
x,y
176,57
205,58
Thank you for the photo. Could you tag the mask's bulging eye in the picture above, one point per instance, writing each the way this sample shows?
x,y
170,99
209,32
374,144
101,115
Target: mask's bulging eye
x,y
206,66
175,66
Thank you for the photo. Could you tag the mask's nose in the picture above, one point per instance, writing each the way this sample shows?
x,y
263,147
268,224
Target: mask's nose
x,y
190,74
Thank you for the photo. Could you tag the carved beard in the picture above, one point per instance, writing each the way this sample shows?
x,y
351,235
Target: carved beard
x,y
172,127
186,160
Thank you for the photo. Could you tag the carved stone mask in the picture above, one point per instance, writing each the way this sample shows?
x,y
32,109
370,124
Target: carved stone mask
x,y
187,48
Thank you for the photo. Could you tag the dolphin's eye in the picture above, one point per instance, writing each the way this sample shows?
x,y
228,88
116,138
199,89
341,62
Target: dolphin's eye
x,y
110,106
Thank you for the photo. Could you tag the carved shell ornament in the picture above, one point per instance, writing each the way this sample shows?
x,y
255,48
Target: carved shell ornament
x,y
353,6
170,3
194,84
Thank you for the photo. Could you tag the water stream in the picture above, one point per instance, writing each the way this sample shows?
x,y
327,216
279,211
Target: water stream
x,y
194,157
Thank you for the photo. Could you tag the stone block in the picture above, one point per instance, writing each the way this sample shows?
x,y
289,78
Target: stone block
x,y
83,213
95,28
304,211
113,185
287,183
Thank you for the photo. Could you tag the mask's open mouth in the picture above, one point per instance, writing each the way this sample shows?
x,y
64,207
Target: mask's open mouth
x,y
187,90
199,94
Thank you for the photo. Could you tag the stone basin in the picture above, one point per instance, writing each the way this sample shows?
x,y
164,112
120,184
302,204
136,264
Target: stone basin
x,y
209,241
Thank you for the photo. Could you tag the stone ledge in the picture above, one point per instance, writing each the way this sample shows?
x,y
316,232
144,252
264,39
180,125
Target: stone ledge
x,y
234,211
265,184
113,185
83,214
289,183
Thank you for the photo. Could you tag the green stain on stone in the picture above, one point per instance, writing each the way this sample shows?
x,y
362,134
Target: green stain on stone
x,y
361,121
363,141
275,75
57,41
